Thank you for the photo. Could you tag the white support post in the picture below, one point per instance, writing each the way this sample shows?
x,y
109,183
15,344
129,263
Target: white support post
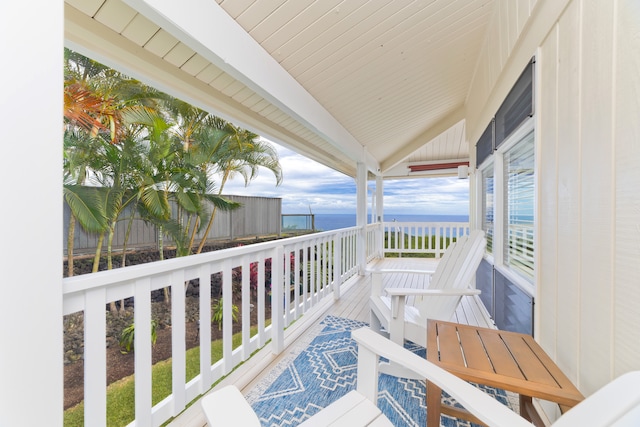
x,y
31,359
380,216
361,216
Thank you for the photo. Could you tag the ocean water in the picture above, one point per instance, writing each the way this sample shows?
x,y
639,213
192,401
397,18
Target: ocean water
x,y
326,222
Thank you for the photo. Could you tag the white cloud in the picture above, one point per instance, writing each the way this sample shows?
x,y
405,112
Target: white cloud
x,y
308,185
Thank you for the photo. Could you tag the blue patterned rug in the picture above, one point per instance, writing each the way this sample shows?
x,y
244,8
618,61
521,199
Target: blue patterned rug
x,y
325,370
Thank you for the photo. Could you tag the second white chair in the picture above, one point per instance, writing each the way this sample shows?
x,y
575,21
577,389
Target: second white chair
x,y
403,319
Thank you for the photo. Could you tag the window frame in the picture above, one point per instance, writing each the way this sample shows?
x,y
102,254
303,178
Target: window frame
x,y
497,162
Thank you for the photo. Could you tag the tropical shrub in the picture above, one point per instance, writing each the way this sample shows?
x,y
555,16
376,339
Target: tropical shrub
x,y
127,337
217,313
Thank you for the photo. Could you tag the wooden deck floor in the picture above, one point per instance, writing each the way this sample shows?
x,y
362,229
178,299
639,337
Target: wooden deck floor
x,y
353,304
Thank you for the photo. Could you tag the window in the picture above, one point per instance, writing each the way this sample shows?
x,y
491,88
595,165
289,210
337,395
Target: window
x,y
487,206
519,195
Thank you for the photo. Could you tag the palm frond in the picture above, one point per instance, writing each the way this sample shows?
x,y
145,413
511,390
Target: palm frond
x,y
87,206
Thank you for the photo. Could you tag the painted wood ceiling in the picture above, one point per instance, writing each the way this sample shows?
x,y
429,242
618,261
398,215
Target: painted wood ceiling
x,y
393,74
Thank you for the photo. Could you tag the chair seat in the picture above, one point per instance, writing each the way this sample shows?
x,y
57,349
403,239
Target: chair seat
x,y
227,406
352,410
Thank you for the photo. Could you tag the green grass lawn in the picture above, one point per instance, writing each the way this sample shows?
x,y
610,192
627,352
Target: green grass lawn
x,y
121,394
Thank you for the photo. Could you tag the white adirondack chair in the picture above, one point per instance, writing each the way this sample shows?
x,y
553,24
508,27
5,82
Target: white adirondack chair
x,y
615,404
404,312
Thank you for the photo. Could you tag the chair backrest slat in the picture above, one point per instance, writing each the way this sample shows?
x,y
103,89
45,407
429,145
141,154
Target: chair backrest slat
x,y
457,274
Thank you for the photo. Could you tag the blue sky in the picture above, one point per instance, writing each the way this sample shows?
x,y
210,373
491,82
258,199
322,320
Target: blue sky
x,y
310,185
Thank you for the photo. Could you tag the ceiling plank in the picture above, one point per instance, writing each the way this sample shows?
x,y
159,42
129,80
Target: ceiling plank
x,y
447,122
206,28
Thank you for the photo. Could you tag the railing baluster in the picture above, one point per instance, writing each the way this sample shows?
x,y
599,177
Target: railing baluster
x,y
246,309
337,265
95,357
204,272
287,286
312,272
227,316
296,280
178,345
261,299
305,276
142,343
276,301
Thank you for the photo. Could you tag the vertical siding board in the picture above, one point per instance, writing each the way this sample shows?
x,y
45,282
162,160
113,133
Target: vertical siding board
x,y
597,194
547,170
523,14
512,17
627,197
569,191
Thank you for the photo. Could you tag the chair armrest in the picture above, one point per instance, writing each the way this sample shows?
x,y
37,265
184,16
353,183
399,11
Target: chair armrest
x,y
371,346
616,403
226,406
410,292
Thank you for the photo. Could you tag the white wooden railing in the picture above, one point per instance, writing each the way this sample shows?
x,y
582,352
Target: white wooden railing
x,y
420,237
305,270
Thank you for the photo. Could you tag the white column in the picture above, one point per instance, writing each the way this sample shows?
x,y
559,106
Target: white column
x,y
31,366
380,214
361,215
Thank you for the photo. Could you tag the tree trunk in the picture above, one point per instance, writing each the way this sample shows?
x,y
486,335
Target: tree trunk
x,y
96,258
167,297
124,251
206,232
70,236
193,233
112,304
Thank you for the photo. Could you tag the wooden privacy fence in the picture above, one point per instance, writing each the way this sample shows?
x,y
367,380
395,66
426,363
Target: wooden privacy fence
x,y
258,216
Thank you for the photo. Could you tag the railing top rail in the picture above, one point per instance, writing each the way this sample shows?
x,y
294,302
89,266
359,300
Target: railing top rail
x,y
119,275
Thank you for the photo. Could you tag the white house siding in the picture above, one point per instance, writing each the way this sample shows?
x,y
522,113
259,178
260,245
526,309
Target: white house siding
x,y
589,142
588,195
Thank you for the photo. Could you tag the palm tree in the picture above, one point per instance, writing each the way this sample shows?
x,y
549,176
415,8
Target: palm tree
x,y
201,139
241,152
85,110
85,203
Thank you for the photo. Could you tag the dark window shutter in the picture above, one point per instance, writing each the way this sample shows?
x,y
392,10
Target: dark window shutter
x,y
517,106
484,147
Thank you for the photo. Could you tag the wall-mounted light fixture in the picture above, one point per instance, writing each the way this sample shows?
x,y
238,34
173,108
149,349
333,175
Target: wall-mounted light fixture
x,y
437,167
463,172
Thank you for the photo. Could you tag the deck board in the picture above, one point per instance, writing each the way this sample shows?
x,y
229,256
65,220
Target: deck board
x,y
353,304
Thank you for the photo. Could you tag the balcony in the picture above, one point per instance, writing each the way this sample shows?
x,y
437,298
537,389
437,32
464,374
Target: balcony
x,y
297,280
